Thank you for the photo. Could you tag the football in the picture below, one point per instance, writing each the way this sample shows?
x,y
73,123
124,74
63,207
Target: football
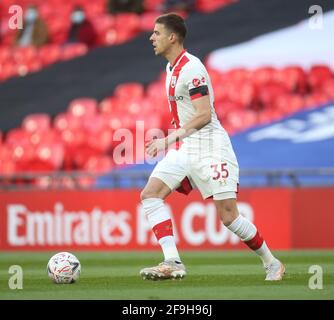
x,y
64,267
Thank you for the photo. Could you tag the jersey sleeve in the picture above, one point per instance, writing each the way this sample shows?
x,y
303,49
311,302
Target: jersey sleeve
x,y
197,83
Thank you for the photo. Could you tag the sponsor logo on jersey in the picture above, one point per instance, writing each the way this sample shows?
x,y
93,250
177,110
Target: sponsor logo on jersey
x,y
175,98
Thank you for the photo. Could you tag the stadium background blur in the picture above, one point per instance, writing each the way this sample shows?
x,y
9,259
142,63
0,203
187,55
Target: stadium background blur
x,y
64,103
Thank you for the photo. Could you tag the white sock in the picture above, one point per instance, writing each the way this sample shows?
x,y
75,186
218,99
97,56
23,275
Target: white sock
x,y
243,228
246,230
156,213
169,248
265,254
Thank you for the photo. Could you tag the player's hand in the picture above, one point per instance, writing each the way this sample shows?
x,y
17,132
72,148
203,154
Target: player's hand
x,y
155,146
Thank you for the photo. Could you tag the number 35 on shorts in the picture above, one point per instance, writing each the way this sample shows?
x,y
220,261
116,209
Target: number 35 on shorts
x,y
219,171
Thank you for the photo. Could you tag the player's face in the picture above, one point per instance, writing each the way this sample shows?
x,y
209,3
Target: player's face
x,y
160,39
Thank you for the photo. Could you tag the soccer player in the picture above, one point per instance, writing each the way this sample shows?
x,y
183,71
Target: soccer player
x,y
205,160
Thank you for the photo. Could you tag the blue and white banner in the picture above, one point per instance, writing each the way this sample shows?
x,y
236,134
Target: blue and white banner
x,y
302,140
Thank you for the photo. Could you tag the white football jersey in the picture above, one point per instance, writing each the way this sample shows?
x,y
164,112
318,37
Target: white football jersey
x,y
188,80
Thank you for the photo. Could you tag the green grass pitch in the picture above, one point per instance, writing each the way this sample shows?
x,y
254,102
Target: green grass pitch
x,y
211,275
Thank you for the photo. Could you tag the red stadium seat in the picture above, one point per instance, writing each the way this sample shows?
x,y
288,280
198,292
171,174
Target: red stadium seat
x,y
73,138
24,54
48,157
73,50
5,54
317,75
247,93
129,121
293,78
153,121
240,92
147,21
268,93
235,120
236,75
23,155
268,115
99,164
211,5
156,90
102,141
288,103
133,106
153,5
161,107
51,136
94,8
328,88
150,106
49,54
8,70
31,66
109,105
215,75
58,27
103,22
36,122
241,120
83,107
109,37
225,107
123,33
114,120
264,75
126,91
250,119
7,164
82,154
127,21
94,123
316,99
65,121
17,136
104,26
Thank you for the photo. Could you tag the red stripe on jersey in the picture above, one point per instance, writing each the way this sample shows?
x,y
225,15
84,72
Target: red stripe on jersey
x,y
197,95
173,105
177,58
185,186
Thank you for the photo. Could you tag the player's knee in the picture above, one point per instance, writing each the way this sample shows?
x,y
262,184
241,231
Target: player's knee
x,y
147,194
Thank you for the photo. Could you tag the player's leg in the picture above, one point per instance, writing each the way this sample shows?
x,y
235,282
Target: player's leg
x,y
227,210
218,177
152,198
165,177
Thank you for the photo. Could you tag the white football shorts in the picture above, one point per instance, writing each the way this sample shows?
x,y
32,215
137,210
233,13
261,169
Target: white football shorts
x,y
215,174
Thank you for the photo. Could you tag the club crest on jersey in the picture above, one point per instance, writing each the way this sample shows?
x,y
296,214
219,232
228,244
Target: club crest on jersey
x,y
173,82
196,82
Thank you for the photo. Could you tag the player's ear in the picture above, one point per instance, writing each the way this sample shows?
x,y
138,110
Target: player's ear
x,y
172,37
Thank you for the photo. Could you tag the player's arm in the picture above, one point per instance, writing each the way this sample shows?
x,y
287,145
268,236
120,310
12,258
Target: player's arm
x,y
201,102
